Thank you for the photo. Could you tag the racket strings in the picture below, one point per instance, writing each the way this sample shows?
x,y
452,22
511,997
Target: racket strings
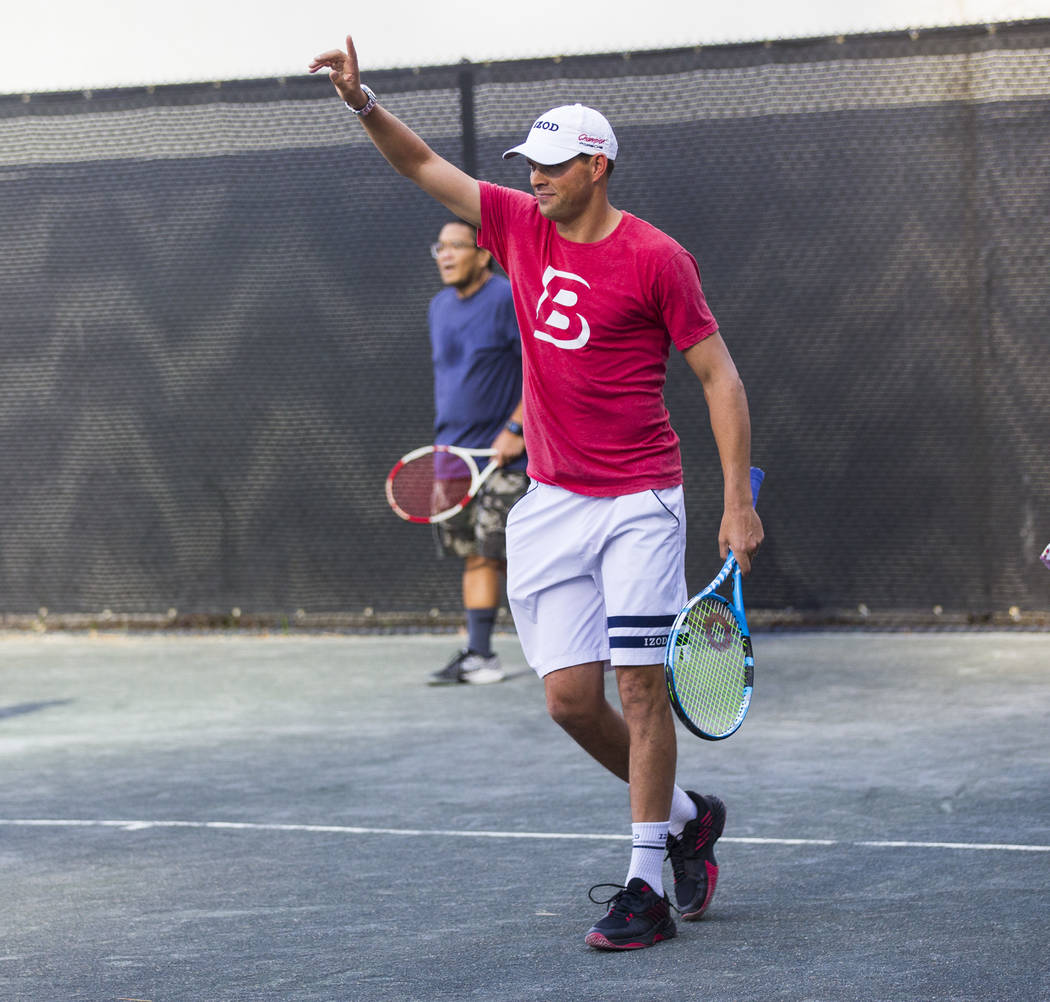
x,y
430,484
709,670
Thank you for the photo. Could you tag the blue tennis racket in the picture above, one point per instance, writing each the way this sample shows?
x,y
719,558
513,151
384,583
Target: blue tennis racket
x,y
708,663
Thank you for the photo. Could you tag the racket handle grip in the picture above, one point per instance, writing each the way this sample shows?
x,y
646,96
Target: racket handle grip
x,y
757,476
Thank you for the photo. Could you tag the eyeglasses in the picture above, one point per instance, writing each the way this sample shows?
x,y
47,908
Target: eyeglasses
x,y
456,245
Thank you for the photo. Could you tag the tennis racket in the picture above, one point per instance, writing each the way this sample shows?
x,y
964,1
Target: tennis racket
x,y
708,662
431,484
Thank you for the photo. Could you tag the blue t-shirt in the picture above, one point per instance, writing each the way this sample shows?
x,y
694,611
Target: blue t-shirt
x,y
476,351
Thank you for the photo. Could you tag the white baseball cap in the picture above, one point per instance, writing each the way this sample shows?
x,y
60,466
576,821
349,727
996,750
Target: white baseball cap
x,y
565,132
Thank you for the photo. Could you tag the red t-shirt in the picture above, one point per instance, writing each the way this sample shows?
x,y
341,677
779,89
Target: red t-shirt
x,y
596,320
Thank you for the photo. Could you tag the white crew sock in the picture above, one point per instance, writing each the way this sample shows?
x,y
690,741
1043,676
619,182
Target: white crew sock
x,y
647,853
683,810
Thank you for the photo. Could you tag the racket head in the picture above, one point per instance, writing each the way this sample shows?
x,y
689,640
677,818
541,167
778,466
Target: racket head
x,y
709,667
431,484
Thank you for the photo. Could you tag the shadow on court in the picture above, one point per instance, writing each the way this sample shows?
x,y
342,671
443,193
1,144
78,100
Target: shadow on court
x,y
20,708
226,817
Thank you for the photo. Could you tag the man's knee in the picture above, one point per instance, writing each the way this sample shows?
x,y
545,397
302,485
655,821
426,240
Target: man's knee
x,y
573,698
569,710
642,689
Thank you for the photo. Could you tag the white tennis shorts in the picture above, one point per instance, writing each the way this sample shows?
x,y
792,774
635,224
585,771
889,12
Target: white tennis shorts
x,y
595,579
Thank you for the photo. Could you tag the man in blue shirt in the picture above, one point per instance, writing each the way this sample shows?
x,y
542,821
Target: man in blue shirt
x,y
476,352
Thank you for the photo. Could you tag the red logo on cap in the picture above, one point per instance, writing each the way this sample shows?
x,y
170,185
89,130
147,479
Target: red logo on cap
x,y
591,140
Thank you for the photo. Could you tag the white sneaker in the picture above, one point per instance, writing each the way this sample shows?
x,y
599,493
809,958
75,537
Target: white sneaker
x,y
476,670
466,666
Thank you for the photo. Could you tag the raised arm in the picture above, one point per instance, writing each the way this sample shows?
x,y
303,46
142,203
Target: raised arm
x,y
741,528
403,149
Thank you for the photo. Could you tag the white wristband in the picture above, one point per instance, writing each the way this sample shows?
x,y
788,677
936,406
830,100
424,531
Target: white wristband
x,y
369,104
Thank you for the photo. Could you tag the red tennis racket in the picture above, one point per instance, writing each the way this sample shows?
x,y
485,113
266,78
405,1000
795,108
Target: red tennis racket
x,y
435,482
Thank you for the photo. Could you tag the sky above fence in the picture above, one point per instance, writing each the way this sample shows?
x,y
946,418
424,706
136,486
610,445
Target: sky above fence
x,y
66,45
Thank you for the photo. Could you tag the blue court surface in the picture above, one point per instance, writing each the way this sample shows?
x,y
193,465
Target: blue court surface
x,y
223,816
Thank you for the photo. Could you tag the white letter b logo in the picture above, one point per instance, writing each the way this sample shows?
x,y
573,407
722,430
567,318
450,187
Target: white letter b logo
x,y
561,295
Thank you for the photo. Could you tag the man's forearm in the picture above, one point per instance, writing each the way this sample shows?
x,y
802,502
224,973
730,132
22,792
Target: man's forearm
x,y
730,419
405,151
731,426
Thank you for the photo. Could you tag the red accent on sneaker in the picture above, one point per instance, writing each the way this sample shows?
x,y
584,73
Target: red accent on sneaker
x,y
597,940
712,881
703,831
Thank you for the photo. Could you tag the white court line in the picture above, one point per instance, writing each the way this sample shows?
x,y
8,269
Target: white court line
x,y
130,825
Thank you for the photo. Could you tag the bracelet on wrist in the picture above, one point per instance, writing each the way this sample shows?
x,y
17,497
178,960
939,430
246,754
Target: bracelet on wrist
x,y
514,427
368,105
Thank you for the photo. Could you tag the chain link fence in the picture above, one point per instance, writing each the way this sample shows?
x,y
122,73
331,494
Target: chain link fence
x,y
214,344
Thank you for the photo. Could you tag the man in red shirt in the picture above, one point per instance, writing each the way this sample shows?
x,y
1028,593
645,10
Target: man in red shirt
x,y
596,547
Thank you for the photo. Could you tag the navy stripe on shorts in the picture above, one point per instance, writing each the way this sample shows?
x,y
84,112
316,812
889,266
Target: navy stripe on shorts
x,y
656,630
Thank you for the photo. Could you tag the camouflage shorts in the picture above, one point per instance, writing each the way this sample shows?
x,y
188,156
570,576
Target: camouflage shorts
x,y
480,528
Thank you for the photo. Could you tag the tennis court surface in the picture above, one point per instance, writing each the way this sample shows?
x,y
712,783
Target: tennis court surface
x,y
224,816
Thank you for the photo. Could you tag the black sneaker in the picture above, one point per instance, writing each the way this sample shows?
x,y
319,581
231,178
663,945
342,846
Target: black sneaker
x,y
449,675
693,859
638,917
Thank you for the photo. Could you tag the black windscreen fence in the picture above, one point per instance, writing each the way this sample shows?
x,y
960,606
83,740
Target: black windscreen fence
x,y
213,323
